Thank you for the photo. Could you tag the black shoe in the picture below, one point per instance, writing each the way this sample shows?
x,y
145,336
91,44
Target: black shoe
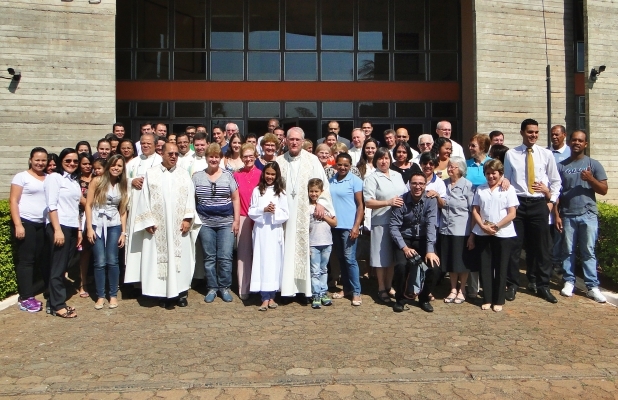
x,y
532,287
182,302
425,306
166,303
511,291
400,307
545,294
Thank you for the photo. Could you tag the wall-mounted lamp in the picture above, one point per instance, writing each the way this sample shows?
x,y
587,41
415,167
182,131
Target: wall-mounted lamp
x,y
594,74
15,72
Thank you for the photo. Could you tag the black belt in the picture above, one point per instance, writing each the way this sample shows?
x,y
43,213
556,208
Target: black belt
x,y
528,199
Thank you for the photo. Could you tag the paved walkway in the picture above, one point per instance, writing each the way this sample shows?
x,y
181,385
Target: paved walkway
x,y
532,349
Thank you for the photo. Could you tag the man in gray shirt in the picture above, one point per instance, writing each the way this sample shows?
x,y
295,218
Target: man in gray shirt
x,y
582,177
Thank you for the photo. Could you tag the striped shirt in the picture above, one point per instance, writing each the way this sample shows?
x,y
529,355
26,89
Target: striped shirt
x,y
214,199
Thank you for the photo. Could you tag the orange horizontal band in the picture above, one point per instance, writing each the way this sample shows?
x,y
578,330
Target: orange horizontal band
x,y
287,91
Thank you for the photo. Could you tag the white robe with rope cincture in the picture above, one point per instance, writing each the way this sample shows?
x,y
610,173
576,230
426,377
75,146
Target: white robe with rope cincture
x,y
296,274
268,239
168,257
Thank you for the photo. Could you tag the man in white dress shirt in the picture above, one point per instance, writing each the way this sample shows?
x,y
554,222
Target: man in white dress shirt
x,y
528,167
355,151
444,129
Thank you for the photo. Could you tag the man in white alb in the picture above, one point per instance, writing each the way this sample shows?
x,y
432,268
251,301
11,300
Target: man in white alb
x,y
355,151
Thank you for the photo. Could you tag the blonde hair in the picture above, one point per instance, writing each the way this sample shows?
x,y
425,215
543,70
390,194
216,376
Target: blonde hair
x,y
104,182
338,148
270,138
248,146
213,149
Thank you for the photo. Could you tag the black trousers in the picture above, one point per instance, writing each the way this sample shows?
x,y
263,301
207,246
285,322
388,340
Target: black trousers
x,y
532,229
404,277
28,253
58,264
495,255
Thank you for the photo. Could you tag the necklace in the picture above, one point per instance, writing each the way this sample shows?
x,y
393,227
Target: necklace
x,y
290,159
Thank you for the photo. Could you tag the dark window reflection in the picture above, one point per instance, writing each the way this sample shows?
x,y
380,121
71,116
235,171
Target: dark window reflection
x,y
153,65
443,67
372,25
123,24
189,110
151,109
123,65
301,67
152,24
190,29
337,66
410,110
409,24
410,66
264,110
123,109
444,24
227,24
301,110
444,110
189,66
338,109
263,24
300,25
263,66
345,128
373,66
226,66
338,25
373,110
227,110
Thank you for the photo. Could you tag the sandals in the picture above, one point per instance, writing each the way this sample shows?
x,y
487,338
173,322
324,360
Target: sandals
x,y
358,302
68,313
459,300
113,305
338,295
497,308
431,298
486,306
383,296
84,294
272,304
451,297
263,308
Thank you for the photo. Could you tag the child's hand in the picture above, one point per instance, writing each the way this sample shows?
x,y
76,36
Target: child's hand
x,y
270,208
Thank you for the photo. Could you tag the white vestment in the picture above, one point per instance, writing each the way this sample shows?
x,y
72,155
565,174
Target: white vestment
x,y
268,240
186,160
193,163
296,171
167,258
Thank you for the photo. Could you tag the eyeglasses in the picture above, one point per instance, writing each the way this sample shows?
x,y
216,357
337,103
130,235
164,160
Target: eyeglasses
x,y
248,157
172,154
417,184
72,161
426,144
452,167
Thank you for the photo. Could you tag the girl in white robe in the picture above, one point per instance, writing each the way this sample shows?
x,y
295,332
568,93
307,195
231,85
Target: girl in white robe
x,y
269,210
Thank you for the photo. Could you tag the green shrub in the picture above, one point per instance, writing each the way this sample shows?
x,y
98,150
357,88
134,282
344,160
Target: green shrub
x,y
607,245
8,282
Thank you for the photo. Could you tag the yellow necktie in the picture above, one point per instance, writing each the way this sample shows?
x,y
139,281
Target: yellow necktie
x,y
530,170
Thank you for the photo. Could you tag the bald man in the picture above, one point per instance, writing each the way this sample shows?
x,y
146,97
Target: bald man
x,y
401,134
444,129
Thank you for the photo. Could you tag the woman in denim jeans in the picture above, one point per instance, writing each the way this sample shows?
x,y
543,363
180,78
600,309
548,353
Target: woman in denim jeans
x,y
218,206
106,220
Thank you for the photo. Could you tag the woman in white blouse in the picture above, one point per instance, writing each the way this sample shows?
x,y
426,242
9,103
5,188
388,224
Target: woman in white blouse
x,y
62,194
493,210
27,204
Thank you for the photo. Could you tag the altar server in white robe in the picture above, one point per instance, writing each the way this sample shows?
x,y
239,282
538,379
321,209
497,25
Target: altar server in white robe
x,y
166,212
297,167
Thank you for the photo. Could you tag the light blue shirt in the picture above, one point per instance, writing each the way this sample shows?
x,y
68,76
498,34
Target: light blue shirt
x,y
342,193
561,154
475,172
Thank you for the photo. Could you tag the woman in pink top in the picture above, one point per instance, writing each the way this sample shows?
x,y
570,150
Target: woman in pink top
x,y
247,179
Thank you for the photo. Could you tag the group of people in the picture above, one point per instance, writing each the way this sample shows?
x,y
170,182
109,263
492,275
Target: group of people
x,y
176,207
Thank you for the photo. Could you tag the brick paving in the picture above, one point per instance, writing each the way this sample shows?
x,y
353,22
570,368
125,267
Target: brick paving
x,y
532,349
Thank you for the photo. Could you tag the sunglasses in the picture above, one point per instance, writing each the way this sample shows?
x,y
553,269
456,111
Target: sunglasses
x,y
72,161
213,188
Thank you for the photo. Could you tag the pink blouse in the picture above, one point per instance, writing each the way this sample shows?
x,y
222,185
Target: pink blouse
x,y
246,181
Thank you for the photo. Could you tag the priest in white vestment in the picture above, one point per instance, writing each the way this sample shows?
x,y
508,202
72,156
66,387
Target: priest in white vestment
x,y
196,161
166,212
297,167
184,150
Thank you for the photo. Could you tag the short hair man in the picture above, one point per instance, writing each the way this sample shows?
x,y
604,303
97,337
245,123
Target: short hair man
x,y
201,129
582,178
197,160
496,137
161,130
444,129
190,131
144,128
280,133
184,150
425,143
333,127
390,139
402,135
358,138
218,136
118,130
159,143
530,168
367,128
231,129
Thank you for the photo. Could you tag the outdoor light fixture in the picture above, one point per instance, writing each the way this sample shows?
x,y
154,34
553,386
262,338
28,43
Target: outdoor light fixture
x,y
594,74
15,72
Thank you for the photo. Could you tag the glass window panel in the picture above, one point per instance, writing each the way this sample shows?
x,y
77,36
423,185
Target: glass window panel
x,y
345,128
152,24
310,127
264,66
123,65
443,67
264,110
226,25
337,66
301,110
123,109
227,66
189,66
190,32
227,110
153,65
151,109
444,24
580,57
410,110
372,25
263,24
581,121
123,20
300,25
189,110
444,110
301,66
373,66
581,104
409,24
221,123
409,66
338,25
337,109
373,110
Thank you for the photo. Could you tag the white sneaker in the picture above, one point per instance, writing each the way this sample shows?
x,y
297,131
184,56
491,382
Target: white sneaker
x,y
567,290
596,295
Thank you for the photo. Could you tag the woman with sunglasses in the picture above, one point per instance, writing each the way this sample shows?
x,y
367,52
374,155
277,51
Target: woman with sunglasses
x,y
62,195
218,206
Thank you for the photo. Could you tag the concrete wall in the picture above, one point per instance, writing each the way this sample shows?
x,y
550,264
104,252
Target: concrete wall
x,y
601,41
65,51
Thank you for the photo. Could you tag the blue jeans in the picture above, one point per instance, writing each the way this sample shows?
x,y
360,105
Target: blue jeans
x,y
319,270
581,230
266,296
345,248
218,246
105,251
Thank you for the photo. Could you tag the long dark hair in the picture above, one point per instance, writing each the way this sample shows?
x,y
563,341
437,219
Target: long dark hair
x,y
62,156
83,142
80,157
278,184
437,145
362,162
132,145
229,151
53,157
38,150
